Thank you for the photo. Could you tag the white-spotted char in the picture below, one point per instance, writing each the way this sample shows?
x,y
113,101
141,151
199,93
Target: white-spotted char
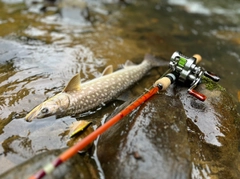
x,y
77,98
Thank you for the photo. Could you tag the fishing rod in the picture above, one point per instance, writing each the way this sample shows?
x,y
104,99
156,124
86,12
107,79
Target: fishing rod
x,y
181,68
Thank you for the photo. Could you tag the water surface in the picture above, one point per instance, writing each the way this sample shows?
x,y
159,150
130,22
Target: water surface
x,y
43,45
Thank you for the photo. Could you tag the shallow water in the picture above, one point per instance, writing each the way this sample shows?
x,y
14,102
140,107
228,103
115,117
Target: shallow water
x,y
45,45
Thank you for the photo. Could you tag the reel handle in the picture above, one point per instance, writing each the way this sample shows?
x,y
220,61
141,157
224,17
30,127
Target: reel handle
x,y
193,92
198,58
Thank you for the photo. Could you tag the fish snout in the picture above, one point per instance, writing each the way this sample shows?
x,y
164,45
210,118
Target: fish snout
x,y
30,116
34,114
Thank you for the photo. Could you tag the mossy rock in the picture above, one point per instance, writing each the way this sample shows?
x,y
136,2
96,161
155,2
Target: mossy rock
x,y
211,85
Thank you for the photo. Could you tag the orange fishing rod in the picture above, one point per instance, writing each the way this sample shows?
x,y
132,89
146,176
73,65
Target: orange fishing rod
x,y
177,60
91,137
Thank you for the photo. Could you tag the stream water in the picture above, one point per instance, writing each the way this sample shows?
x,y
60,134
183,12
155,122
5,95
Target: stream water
x,y
43,44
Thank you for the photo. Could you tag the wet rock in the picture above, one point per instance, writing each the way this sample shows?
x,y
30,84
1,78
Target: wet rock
x,y
175,136
151,143
70,12
213,132
79,166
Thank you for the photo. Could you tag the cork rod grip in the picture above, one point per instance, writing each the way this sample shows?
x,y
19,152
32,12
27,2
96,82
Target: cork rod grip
x,y
164,81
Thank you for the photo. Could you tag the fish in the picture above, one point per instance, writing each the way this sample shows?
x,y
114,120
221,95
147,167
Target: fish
x,y
77,98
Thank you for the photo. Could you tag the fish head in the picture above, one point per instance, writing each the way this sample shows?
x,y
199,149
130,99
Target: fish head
x,y
56,105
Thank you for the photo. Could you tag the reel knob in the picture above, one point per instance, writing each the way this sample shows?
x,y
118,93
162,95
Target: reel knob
x,y
197,95
211,76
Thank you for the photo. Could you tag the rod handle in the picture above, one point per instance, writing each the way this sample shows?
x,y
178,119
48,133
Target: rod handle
x,y
163,83
198,58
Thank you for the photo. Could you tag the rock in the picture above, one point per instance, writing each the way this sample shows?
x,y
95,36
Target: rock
x,y
213,132
79,166
150,143
175,136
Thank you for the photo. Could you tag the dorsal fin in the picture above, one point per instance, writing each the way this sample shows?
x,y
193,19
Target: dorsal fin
x,y
129,63
73,84
107,70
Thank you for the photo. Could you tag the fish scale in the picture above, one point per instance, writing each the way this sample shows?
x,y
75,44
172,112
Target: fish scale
x,y
77,98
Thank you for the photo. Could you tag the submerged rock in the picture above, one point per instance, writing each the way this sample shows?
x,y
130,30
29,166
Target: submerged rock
x,y
79,166
175,136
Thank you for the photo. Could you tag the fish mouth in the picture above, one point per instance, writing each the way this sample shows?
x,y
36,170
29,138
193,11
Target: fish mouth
x,y
33,114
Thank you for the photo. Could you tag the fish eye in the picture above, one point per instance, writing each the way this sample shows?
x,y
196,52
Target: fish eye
x,y
44,110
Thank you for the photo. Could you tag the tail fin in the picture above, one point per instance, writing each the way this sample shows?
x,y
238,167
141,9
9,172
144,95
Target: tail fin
x,y
155,62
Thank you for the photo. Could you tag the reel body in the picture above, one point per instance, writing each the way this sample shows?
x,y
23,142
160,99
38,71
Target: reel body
x,y
185,69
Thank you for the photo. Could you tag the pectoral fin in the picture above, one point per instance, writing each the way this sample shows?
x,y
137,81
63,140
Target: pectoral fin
x,y
78,127
73,84
107,70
